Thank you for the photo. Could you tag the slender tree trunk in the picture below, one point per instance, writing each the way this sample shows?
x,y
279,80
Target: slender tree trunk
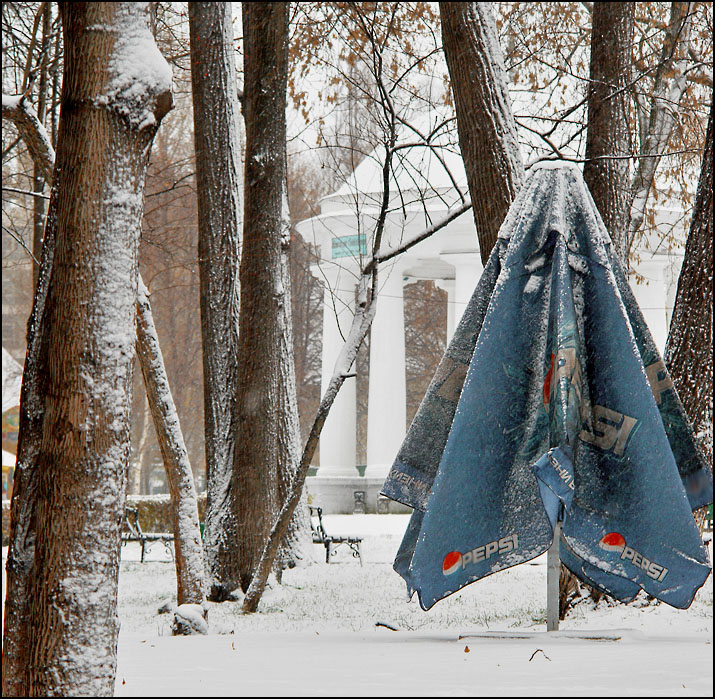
x,y
263,292
74,436
218,162
38,180
688,354
289,440
668,88
185,512
487,132
21,549
607,171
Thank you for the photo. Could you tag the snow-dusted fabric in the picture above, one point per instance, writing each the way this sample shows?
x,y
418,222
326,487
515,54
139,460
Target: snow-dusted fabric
x,y
552,402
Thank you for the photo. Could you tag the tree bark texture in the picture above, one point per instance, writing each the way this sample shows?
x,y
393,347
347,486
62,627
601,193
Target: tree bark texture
x,y
21,549
487,132
76,440
263,290
185,512
606,170
688,354
218,155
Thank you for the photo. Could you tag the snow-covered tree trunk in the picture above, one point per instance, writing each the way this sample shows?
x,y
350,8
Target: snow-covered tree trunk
x,y
185,512
62,598
660,115
158,396
688,354
606,170
487,132
218,164
263,292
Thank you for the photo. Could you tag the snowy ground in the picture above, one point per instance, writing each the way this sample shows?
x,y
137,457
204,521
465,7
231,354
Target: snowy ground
x,y
316,635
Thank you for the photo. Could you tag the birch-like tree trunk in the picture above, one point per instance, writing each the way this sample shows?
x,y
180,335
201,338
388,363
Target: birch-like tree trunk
x,y
296,537
218,163
188,550
263,290
487,132
606,170
61,615
688,354
660,114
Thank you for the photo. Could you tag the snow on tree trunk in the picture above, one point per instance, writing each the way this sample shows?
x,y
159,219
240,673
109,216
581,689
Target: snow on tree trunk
x,y
487,132
117,87
263,292
185,511
606,170
289,442
218,162
688,354
668,88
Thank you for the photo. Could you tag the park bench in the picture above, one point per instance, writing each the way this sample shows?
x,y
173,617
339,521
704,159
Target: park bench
x,y
132,531
320,536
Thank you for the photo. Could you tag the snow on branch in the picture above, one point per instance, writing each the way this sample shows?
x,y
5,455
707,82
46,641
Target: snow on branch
x,y
18,110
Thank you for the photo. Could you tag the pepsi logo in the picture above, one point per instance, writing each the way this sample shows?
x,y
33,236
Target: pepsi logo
x,y
452,563
612,542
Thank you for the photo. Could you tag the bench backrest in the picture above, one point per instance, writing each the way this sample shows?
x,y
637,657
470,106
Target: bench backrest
x,y
316,528
131,521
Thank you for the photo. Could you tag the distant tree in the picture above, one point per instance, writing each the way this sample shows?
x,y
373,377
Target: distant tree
x,y
61,625
218,168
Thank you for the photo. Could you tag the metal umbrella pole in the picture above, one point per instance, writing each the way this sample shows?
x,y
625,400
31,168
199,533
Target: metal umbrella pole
x,y
553,569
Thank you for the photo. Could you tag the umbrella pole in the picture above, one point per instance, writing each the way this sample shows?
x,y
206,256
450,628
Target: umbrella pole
x,y
553,568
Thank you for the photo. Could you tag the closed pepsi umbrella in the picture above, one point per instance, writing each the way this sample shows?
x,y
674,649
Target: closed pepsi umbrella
x,y
552,408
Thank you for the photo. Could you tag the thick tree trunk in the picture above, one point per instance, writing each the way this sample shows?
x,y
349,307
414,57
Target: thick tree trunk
x,y
688,354
263,292
76,405
607,171
189,577
487,132
218,162
185,512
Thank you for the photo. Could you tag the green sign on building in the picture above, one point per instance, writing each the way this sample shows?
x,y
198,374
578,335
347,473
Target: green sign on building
x,y
349,246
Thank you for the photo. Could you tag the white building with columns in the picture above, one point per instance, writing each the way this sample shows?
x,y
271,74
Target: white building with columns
x,y
424,187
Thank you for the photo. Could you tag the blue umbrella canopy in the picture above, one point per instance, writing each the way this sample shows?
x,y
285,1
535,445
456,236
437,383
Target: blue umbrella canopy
x,y
552,403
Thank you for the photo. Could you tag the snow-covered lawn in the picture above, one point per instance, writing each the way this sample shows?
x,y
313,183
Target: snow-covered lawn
x,y
316,635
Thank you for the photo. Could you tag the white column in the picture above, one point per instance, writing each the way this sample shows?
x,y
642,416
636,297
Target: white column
x,y
652,297
467,270
387,392
448,286
337,440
